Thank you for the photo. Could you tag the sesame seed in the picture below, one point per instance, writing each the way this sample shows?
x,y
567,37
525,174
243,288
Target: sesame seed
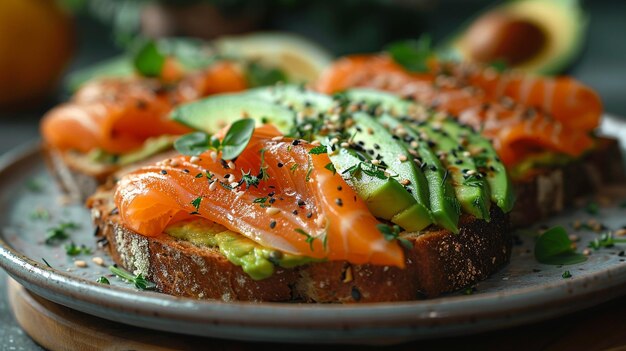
x,y
277,138
239,193
231,165
586,252
414,144
80,264
334,141
194,159
339,202
272,210
471,172
174,163
344,144
402,158
466,154
309,215
272,224
213,155
279,164
213,185
234,184
375,162
316,143
98,260
163,172
405,182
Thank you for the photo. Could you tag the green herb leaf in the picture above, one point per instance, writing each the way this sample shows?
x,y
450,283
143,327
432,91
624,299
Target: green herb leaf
x,y
605,240
149,60
566,275
260,200
592,208
318,150
474,181
192,144
34,185
259,75
393,233
40,214
412,55
554,247
59,232
72,249
249,179
331,167
139,281
293,167
499,65
237,138
103,280
309,239
196,203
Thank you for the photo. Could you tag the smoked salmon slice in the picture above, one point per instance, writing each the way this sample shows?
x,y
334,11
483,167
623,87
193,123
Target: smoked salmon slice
x,y
521,114
118,115
298,207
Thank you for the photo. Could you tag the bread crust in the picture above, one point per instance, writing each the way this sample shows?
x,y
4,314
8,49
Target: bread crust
x,y
439,262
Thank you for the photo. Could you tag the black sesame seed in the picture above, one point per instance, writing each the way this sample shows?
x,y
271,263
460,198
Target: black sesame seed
x,y
376,146
185,170
433,168
339,187
272,224
271,194
295,212
163,171
295,142
272,200
309,215
339,202
301,203
280,164
224,163
458,162
226,175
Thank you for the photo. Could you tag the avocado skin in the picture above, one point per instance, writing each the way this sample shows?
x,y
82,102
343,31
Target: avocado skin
x,y
562,21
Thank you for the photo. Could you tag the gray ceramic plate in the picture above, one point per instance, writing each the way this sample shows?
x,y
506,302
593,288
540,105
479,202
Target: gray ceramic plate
x,y
525,291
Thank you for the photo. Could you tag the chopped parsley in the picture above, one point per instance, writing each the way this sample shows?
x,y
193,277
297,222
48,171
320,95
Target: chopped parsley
x,y
605,240
60,232
309,239
46,262
72,249
318,150
393,233
249,180
329,166
139,281
103,280
196,203
566,275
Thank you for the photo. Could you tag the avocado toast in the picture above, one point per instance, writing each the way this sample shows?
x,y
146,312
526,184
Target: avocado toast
x,y
543,128
363,199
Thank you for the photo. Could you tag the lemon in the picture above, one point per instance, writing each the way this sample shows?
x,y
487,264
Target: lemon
x,y
301,59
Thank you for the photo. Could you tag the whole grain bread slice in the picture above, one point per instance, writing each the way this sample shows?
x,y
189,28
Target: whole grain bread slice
x,y
439,262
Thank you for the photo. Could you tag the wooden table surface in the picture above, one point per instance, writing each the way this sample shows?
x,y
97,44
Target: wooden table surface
x,y
57,327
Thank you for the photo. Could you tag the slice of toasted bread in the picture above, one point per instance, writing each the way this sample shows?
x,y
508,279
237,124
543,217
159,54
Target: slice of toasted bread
x,y
552,189
79,177
439,262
